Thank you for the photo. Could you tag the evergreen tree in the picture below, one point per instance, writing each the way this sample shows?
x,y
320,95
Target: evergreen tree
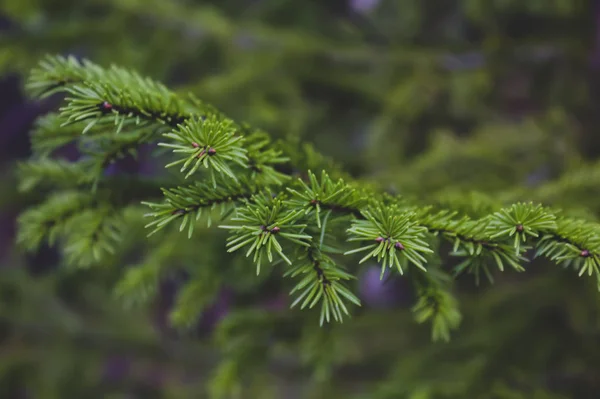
x,y
252,189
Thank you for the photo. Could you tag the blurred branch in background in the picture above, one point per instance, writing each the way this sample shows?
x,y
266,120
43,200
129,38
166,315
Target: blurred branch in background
x,y
468,104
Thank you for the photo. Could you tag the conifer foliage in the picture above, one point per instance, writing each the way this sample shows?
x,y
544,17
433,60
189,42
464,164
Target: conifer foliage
x,y
286,208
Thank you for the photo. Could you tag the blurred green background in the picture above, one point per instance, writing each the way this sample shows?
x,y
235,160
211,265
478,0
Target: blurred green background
x,y
453,101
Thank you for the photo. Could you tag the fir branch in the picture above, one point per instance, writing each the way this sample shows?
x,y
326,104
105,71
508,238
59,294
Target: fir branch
x,y
91,236
435,303
322,281
574,243
49,135
140,281
520,221
122,190
48,220
104,151
395,237
52,173
191,202
326,195
263,158
244,166
102,97
114,95
470,239
304,157
210,142
54,73
194,297
259,225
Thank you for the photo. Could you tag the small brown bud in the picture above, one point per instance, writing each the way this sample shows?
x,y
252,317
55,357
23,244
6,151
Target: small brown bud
x,y
520,228
380,239
195,145
585,253
399,246
106,106
275,230
314,202
211,151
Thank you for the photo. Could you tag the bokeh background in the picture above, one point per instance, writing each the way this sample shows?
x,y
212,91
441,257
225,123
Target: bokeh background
x,y
447,100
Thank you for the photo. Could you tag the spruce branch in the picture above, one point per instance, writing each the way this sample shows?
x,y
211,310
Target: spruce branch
x,y
300,223
436,303
325,195
394,235
104,151
264,158
54,73
244,338
189,203
520,221
49,135
259,225
304,157
108,149
193,298
473,204
48,220
108,96
322,281
481,250
91,236
100,147
574,243
209,142
491,254
52,173
103,97
140,280
471,240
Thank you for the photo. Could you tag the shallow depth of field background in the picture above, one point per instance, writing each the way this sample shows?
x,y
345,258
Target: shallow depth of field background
x,y
434,98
